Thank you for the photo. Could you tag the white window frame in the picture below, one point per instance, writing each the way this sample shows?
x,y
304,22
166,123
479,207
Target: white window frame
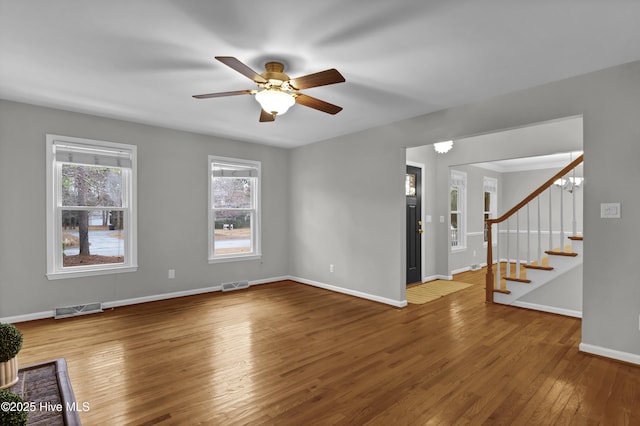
x,y
55,269
490,185
458,180
256,224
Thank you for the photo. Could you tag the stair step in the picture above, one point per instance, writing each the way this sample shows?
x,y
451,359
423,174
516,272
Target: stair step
x,y
520,280
576,238
561,253
542,268
498,290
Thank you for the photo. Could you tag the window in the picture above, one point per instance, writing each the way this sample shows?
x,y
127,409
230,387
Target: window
x,y
458,206
234,213
490,202
91,218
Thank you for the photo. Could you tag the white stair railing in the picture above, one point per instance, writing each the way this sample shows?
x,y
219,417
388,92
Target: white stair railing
x,y
513,250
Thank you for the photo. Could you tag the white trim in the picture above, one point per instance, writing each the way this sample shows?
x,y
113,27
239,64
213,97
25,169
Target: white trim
x,y
535,231
79,273
459,180
423,185
550,309
235,258
610,353
176,294
256,225
475,234
386,301
143,299
28,317
460,270
437,277
55,269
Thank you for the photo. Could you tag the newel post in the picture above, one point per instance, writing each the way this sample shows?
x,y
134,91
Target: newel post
x,y
489,279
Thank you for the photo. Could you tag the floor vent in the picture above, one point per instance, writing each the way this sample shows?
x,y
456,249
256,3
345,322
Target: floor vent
x,y
475,267
72,311
235,285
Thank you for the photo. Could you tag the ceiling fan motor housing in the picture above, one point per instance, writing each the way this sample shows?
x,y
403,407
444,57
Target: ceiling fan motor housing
x,y
274,71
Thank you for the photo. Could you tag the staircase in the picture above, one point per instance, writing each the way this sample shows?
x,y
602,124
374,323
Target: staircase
x,y
531,244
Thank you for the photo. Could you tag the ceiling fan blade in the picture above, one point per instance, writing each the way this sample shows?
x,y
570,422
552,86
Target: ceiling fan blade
x,y
314,103
321,78
234,63
221,94
265,116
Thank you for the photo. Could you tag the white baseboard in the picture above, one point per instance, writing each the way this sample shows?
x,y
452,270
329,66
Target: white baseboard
x,y
136,300
28,317
386,301
460,270
156,297
437,277
610,353
550,309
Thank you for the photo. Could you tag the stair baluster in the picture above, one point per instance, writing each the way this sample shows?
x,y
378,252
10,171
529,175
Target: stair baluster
x,y
494,283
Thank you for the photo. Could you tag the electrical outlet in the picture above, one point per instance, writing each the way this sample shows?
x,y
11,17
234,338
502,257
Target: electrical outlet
x,y
331,268
172,274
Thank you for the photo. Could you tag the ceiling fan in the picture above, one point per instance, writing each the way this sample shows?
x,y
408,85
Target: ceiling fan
x,y
277,92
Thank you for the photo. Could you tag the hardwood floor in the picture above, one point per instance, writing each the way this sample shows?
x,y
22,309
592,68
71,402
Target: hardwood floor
x,y
291,354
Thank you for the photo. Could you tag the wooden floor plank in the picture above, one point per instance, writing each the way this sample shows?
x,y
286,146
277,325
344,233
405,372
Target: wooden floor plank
x,y
288,354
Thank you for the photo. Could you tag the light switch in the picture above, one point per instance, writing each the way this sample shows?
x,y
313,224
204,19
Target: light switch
x,y
441,219
428,218
610,210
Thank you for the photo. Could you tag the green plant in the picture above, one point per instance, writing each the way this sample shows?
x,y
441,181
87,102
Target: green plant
x,y
10,342
13,410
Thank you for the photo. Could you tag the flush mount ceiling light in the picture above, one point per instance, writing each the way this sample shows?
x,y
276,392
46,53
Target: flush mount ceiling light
x,y
443,147
277,92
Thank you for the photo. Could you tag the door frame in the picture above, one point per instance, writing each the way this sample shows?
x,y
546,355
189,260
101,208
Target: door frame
x,y
421,166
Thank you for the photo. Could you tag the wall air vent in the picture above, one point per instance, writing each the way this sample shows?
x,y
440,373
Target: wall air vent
x,y
235,285
73,311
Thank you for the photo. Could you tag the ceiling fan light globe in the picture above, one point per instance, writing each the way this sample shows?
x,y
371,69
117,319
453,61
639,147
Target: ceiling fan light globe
x,y
275,101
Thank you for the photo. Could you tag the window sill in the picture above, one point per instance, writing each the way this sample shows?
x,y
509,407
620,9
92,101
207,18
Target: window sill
x,y
234,258
458,249
90,272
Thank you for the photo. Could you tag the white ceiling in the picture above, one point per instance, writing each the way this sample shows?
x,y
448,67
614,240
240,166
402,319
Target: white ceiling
x,y
142,60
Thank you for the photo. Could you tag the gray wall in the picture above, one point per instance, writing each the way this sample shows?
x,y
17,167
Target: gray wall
x,y
172,211
609,102
345,196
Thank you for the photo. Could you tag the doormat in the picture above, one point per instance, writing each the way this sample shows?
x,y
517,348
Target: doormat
x,y
423,293
47,390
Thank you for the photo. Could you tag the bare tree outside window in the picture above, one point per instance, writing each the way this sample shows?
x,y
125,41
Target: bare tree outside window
x,y
87,193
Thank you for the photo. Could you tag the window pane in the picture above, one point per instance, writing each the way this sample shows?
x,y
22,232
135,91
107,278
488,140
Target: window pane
x,y
487,201
454,199
454,230
92,237
233,231
233,193
410,185
91,186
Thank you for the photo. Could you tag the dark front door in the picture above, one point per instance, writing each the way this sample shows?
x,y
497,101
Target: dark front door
x,y
413,190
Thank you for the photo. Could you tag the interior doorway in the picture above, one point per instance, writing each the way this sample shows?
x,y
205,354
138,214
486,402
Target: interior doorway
x,y
413,195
